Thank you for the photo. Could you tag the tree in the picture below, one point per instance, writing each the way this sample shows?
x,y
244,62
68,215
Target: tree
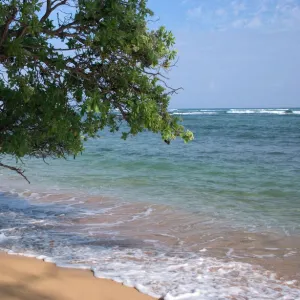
x,y
67,66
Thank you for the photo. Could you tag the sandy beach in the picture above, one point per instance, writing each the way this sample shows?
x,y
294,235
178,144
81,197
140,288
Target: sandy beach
x,y
23,278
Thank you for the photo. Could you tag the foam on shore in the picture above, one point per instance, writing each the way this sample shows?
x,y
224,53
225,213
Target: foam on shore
x,y
139,245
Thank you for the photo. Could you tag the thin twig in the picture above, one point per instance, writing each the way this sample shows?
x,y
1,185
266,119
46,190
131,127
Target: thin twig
x,y
18,170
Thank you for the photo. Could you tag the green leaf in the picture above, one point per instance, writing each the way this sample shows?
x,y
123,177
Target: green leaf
x,y
65,77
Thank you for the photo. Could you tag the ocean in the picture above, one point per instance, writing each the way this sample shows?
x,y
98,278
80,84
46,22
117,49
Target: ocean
x,y
217,218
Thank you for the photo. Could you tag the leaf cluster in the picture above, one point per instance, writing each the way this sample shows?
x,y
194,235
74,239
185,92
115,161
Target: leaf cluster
x,y
67,67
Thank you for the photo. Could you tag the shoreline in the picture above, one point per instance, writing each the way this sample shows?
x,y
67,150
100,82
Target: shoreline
x,y
27,278
221,255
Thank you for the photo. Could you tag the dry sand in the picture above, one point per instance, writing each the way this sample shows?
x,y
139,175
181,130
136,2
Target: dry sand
x,y
23,278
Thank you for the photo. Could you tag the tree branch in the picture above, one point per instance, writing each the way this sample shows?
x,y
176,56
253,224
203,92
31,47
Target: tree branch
x,y
18,170
6,27
47,13
50,9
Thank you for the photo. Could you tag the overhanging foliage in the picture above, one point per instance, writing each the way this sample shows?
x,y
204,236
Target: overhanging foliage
x,y
67,66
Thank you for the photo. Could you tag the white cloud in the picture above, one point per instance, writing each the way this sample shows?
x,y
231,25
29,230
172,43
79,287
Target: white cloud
x,y
238,7
267,15
195,12
254,23
264,6
221,12
239,23
286,15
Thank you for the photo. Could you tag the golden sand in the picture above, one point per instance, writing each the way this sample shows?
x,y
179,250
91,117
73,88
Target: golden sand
x,y
23,278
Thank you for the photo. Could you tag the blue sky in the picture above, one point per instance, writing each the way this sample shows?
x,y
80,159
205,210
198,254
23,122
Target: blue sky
x,y
234,53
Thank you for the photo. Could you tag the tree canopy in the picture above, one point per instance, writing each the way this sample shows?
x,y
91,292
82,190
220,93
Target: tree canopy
x,y
70,68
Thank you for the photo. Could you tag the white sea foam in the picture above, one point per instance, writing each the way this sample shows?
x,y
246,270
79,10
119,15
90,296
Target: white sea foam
x,y
143,214
229,252
3,238
281,111
157,273
278,111
196,113
173,277
154,272
291,253
195,278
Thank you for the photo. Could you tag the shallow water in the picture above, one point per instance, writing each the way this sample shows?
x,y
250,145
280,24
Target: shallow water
x,y
215,219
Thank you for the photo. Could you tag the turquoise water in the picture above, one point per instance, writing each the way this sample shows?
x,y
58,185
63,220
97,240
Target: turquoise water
x,y
241,166
241,172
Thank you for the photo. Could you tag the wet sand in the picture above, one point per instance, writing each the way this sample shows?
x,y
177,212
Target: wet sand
x,y
180,231
23,278
140,232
